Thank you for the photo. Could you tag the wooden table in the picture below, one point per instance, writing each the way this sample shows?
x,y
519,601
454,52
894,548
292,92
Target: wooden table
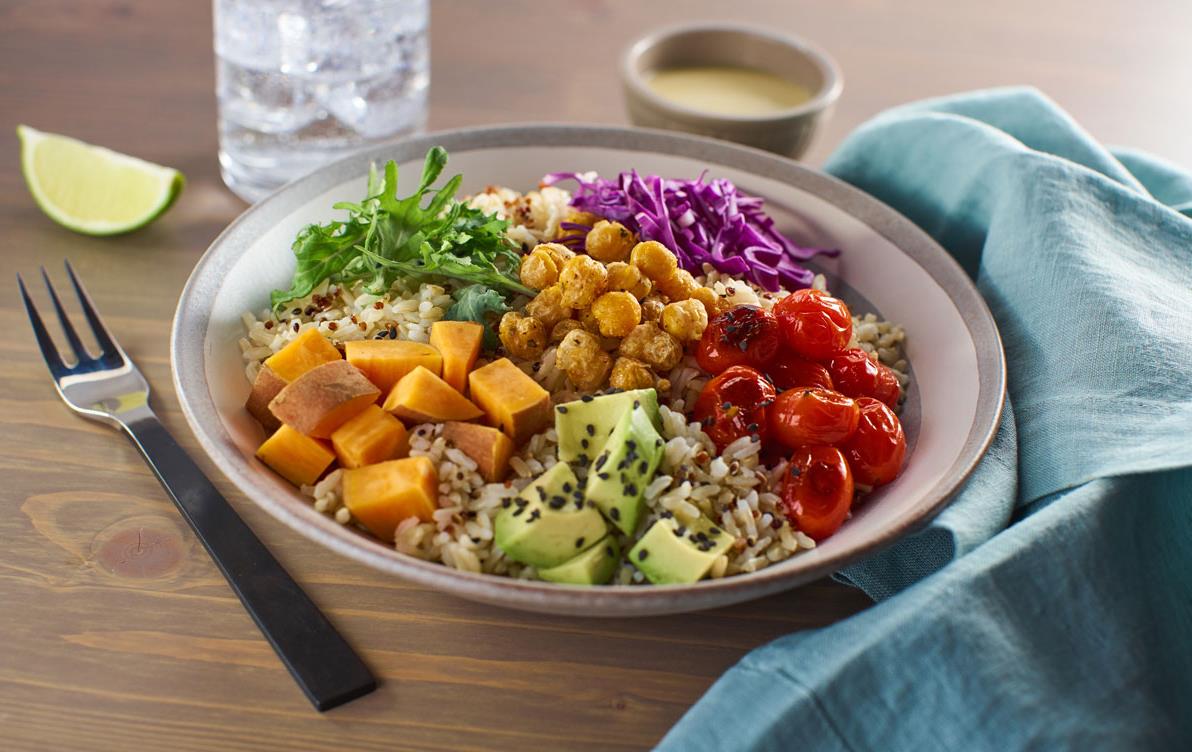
x,y
109,643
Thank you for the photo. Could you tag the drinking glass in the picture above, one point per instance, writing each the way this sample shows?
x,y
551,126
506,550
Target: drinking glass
x,y
301,82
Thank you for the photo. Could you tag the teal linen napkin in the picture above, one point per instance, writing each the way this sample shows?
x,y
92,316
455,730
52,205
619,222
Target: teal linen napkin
x,y
1050,605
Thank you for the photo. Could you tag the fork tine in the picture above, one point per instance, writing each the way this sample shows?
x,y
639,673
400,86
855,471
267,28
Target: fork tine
x,y
107,344
49,351
68,329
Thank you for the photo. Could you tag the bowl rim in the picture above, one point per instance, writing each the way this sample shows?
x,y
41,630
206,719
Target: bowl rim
x,y
820,101
192,317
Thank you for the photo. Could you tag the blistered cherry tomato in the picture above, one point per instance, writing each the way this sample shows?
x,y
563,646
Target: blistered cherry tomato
x,y
734,404
814,324
876,449
789,371
855,374
817,491
812,416
741,336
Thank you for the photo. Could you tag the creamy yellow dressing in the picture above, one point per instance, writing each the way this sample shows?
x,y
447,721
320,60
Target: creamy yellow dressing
x,y
727,90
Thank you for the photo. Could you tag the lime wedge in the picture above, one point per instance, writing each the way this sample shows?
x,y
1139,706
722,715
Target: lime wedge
x,y
93,190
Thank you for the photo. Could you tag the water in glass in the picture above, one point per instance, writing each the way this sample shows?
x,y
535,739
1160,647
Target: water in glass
x,y
301,82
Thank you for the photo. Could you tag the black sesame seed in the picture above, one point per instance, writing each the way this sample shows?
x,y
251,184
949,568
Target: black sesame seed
x,y
542,493
725,405
567,487
582,459
591,429
631,490
517,512
680,531
506,503
615,513
602,476
667,514
609,551
584,443
562,408
587,398
603,458
714,530
644,467
637,403
642,554
579,542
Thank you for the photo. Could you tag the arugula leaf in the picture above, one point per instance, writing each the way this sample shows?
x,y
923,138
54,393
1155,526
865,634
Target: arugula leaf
x,y
483,305
386,237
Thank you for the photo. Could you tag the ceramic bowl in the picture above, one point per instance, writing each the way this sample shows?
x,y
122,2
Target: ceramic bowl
x,y
787,132
887,265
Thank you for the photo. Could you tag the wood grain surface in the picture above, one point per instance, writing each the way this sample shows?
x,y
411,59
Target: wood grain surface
x,y
118,633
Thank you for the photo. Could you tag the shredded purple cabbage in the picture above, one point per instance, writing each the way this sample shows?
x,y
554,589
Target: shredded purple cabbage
x,y
702,221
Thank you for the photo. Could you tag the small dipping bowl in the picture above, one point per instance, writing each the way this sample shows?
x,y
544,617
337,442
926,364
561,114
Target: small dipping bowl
x,y
787,132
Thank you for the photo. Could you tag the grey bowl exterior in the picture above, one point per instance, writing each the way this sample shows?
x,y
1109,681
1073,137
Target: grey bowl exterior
x,y
193,316
788,132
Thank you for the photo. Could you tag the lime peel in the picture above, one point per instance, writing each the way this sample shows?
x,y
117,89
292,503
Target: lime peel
x,y
93,190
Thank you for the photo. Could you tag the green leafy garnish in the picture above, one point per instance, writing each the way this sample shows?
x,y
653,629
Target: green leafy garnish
x,y
482,305
385,238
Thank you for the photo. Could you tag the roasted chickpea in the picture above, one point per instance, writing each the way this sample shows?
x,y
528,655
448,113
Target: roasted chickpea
x,y
649,343
547,306
539,269
560,253
522,336
609,241
709,298
561,329
616,313
580,357
631,373
652,308
582,278
685,319
627,277
678,286
589,322
654,259
574,217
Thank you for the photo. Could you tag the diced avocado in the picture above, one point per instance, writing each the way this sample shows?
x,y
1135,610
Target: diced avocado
x,y
621,471
585,424
593,567
673,553
549,522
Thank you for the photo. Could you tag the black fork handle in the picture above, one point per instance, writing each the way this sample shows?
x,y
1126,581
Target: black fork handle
x,y
317,656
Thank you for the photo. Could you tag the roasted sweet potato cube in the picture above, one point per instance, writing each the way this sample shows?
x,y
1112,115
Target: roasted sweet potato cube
x,y
306,351
386,361
296,457
372,436
264,388
324,398
513,401
459,344
487,446
422,397
382,496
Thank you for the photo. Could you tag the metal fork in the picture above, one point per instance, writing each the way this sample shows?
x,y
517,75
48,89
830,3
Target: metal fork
x,y
109,388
